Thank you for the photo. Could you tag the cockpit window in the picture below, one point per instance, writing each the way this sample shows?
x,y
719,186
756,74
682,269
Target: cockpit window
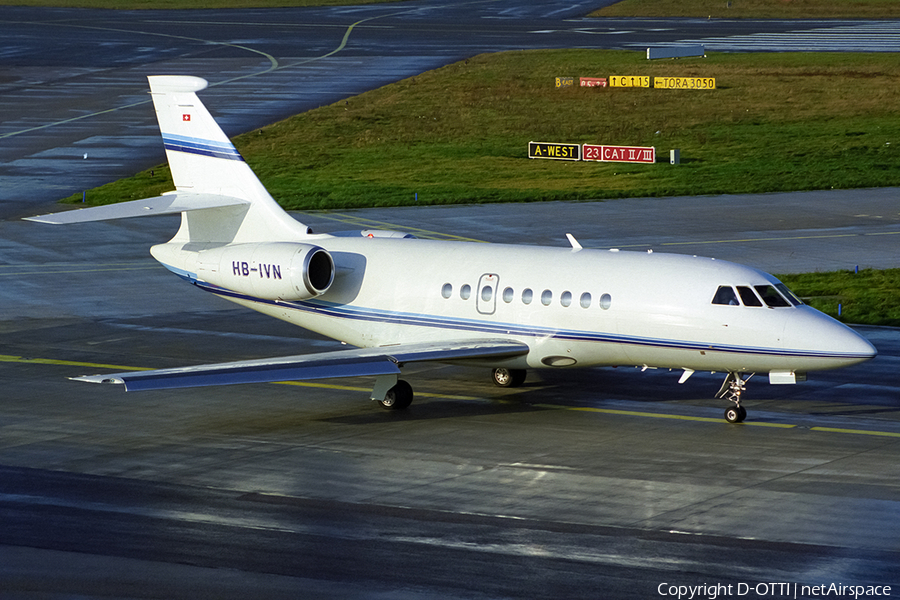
x,y
725,295
774,296
771,296
748,297
788,294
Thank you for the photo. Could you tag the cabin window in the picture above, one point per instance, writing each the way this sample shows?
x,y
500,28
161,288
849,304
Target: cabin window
x,y
465,291
487,292
771,296
447,290
585,300
546,297
508,295
565,298
748,297
527,296
605,301
788,294
725,295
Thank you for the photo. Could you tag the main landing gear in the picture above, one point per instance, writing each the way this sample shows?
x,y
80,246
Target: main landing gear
x,y
732,388
398,397
392,393
397,394
504,377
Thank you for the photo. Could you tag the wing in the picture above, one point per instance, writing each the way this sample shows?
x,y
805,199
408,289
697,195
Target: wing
x,y
359,362
166,204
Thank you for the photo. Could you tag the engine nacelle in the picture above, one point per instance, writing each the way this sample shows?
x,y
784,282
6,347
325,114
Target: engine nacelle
x,y
270,270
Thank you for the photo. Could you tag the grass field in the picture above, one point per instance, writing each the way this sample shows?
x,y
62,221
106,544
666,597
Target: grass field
x,y
868,297
755,9
459,134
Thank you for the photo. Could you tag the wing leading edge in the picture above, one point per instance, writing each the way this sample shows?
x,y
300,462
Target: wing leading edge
x,y
359,362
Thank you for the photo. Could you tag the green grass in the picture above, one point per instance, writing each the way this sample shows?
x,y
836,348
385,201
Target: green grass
x,y
756,9
868,297
459,134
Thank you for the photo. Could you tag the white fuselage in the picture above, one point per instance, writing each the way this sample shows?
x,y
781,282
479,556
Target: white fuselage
x,y
572,307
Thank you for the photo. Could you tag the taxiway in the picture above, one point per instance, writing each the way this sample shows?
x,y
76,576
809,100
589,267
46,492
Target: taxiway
x,y
581,483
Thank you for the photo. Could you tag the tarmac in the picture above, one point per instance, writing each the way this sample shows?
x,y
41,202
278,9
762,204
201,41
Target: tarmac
x,y
580,483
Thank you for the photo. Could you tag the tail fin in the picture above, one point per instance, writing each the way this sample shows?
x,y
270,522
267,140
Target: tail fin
x,y
218,195
203,161
201,156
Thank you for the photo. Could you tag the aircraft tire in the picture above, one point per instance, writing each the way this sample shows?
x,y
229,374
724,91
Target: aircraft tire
x,y
504,377
398,397
735,414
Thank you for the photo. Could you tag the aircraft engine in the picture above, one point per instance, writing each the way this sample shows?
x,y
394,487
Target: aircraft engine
x,y
271,271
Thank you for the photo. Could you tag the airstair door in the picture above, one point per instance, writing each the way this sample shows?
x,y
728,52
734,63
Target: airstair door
x,y
486,299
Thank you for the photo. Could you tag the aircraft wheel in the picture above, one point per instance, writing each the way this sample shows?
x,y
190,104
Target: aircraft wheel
x,y
398,397
735,414
504,377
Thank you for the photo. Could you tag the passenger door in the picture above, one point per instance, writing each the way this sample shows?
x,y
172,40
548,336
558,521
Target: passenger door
x,y
486,298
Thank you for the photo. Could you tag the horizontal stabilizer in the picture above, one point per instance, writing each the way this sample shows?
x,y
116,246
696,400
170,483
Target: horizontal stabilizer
x,y
345,363
208,173
166,204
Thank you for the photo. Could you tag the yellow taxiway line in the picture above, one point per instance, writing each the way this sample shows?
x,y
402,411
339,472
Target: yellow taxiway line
x,y
5,358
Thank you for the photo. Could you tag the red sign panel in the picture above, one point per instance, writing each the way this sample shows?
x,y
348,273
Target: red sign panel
x,y
633,154
593,81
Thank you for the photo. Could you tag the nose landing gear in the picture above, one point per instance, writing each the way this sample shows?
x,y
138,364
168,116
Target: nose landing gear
x,y
732,388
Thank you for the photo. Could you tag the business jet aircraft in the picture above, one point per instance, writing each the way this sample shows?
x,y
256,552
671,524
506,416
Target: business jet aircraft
x,y
400,300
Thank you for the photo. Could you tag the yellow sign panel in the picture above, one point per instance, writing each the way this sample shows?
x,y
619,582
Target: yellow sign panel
x,y
629,81
685,83
554,151
565,82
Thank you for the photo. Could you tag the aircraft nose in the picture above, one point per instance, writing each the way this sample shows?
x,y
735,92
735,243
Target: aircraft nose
x,y
830,343
858,348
